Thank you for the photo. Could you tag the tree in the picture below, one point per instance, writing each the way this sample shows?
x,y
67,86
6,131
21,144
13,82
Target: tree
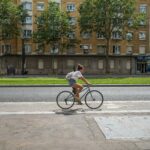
x,y
52,25
53,28
22,13
107,16
9,19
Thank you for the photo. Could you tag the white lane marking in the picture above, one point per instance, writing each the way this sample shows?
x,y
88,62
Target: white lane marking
x,y
25,103
27,113
105,102
76,112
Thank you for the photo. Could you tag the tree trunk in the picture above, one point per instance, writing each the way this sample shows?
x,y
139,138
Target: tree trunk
x,y
53,48
23,58
107,56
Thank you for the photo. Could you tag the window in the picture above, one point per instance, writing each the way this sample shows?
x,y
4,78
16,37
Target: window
x,y
40,48
27,33
100,35
143,8
129,36
6,49
100,64
142,22
86,35
128,65
71,35
6,36
116,49
71,7
28,20
118,21
142,49
27,6
40,6
116,35
86,51
55,64
86,48
112,64
55,49
72,20
58,3
130,22
71,49
70,63
129,50
142,35
27,48
101,49
40,64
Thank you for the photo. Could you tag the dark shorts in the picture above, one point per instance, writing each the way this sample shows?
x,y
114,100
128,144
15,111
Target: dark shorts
x,y
72,82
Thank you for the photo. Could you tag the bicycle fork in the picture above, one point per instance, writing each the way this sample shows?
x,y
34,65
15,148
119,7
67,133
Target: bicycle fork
x,y
91,95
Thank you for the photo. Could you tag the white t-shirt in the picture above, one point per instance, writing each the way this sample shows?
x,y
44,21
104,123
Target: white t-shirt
x,y
75,75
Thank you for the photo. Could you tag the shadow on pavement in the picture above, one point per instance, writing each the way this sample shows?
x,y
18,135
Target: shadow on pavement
x,y
74,111
68,112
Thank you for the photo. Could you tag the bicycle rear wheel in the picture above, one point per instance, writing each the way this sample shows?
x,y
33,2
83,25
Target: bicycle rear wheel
x,y
94,99
65,99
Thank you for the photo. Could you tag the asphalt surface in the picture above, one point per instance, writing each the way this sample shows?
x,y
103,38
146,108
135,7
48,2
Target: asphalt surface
x,y
44,126
48,94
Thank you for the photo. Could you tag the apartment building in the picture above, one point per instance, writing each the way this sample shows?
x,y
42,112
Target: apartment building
x,y
125,56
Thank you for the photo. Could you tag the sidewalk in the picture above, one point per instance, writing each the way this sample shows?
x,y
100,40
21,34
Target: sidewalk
x,y
43,126
109,107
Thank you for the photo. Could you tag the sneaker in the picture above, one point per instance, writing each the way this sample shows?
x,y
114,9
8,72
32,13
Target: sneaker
x,y
80,103
77,99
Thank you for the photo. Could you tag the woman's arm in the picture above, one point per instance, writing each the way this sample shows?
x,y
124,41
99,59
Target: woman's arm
x,y
83,79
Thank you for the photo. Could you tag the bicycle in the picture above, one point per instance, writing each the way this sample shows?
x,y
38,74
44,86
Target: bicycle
x,y
93,98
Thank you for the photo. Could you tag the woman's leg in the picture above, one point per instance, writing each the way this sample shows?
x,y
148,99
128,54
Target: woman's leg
x,y
78,88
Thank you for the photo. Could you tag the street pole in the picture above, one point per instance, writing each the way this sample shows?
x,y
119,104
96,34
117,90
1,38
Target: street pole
x,y
131,64
23,57
53,60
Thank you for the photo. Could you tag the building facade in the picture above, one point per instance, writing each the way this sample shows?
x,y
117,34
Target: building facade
x,y
125,56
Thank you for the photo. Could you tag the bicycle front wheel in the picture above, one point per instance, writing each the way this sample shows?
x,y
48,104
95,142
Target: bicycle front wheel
x,y
65,99
94,99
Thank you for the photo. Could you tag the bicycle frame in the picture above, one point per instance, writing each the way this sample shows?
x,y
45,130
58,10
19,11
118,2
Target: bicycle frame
x,y
87,89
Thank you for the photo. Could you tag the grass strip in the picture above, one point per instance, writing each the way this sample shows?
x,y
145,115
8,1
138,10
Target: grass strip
x,y
47,81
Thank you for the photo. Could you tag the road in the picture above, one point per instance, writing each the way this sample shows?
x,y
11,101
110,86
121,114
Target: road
x,y
48,94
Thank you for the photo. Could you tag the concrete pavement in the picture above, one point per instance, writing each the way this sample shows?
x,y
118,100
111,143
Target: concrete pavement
x,y
43,126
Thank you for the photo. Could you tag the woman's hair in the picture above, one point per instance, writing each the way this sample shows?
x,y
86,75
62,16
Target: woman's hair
x,y
80,67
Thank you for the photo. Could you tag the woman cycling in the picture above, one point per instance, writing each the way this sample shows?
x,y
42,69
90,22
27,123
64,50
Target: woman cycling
x,y
73,77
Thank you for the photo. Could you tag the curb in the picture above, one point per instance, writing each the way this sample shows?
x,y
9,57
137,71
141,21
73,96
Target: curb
x,y
96,85
133,112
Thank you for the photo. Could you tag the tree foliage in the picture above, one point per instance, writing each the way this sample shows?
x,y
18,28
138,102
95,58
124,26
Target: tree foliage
x,y
52,26
10,16
108,16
